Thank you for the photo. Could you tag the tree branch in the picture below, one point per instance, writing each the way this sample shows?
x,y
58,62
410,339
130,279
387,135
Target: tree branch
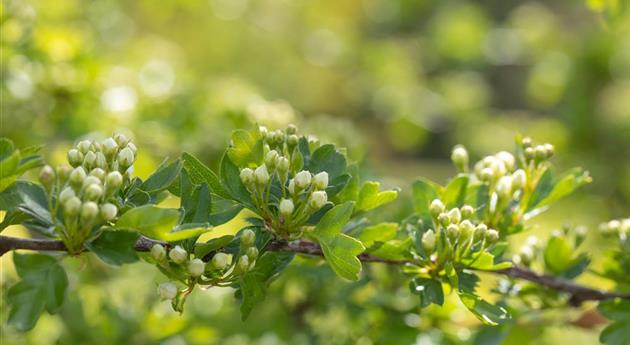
x,y
579,293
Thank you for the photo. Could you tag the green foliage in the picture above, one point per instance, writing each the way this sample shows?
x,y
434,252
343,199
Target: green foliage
x,y
14,162
159,223
618,332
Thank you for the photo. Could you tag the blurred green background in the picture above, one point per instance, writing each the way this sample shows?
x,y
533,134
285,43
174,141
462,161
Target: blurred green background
x,y
398,82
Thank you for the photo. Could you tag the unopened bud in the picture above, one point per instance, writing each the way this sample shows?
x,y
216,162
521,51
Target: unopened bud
x,y
302,179
248,238
108,212
90,180
459,156
263,131
84,146
282,164
436,207
63,173
101,161
540,152
93,192
261,175
292,140
252,253
320,181
444,219
480,231
121,139
291,129
243,264
75,157
428,241
125,158
527,142
114,180
486,174
178,255
519,179
549,150
507,159
527,254
317,200
72,206
492,236
292,187
452,231
89,212
133,148
466,230
221,261
167,291
98,172
530,153
504,187
467,211
77,176
66,194
47,176
455,215
286,207
158,252
270,159
196,267
110,147
89,160
247,176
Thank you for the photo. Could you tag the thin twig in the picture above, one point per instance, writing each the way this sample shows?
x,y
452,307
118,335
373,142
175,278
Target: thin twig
x,y
579,293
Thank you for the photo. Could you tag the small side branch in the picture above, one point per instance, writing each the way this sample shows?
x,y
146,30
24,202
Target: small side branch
x,y
579,293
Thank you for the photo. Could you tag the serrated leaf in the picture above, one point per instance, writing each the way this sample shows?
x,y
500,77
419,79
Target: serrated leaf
x,y
158,223
454,194
430,291
484,261
381,232
340,250
231,179
115,247
487,313
393,249
253,284
163,177
567,184
200,173
43,286
370,196
423,192
327,158
542,190
246,149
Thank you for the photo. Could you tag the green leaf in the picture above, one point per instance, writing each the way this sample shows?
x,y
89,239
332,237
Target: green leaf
x,y
429,290
340,250
195,200
327,158
158,223
454,194
231,178
43,286
423,192
543,189
163,177
350,192
203,249
567,184
393,249
484,261
618,332
200,173
558,254
489,314
246,149
370,197
381,232
478,196
254,282
115,247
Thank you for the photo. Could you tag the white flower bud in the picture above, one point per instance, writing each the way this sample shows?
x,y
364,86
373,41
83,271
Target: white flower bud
x,y
66,194
320,181
428,241
498,169
261,175
504,187
519,179
75,158
282,164
221,261
63,172
291,129
549,150
247,176
72,206
444,219
263,131
47,176
98,172
113,180
318,199
455,215
292,187
110,147
540,152
101,161
89,161
252,253
467,211
507,159
108,211
452,231
286,207
459,156
436,207
89,212
270,159
614,226
93,192
243,264
486,174
84,146
90,180
125,158
530,153
480,231
492,236
178,255
466,230
167,291
248,238
302,179
133,148
292,140
121,139
196,267
158,252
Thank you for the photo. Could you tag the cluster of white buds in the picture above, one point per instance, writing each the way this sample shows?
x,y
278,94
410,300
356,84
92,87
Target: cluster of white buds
x,y
616,228
463,236
179,256
537,153
303,192
528,252
248,252
86,193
